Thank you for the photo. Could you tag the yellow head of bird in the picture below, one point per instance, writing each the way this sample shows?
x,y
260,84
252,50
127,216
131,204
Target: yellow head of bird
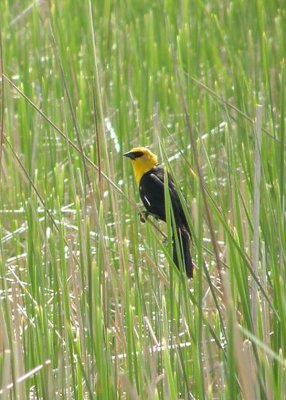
x,y
142,161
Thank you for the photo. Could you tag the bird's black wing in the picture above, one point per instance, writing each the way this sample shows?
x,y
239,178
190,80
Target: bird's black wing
x,y
151,190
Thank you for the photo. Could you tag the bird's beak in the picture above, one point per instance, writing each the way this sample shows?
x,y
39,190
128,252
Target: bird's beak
x,y
129,154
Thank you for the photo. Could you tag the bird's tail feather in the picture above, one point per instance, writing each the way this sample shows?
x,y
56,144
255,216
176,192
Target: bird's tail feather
x,y
184,242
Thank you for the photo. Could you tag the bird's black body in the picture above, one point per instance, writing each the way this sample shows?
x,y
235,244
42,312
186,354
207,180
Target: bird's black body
x,y
151,189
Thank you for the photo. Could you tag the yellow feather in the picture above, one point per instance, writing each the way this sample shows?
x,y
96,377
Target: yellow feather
x,y
144,163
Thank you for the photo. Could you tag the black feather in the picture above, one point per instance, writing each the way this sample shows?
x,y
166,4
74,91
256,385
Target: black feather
x,y
151,189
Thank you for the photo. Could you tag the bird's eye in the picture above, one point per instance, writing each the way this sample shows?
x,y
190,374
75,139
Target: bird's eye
x,y
138,154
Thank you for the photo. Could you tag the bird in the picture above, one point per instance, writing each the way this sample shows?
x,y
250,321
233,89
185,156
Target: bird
x,y
150,178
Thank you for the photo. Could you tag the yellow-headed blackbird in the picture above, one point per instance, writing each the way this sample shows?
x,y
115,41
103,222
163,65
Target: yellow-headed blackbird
x,y
150,179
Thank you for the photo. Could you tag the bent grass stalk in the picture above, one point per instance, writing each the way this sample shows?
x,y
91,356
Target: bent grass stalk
x,y
80,289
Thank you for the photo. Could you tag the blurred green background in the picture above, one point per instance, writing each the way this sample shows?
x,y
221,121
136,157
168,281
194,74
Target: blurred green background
x,y
90,307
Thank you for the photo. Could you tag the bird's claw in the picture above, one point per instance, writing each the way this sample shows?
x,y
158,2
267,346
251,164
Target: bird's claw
x,y
143,216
